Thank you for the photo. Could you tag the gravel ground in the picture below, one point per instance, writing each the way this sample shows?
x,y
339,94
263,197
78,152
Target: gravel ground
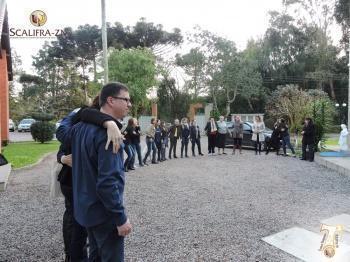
x,y
210,208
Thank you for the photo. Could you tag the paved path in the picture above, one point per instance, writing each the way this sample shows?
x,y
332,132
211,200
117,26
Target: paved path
x,y
210,208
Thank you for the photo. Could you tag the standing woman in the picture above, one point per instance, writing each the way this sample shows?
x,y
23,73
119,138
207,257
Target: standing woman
x,y
212,129
237,134
284,134
164,140
136,142
258,135
308,140
151,146
158,139
129,150
221,137
185,137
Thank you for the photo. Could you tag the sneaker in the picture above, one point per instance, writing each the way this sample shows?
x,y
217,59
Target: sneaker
x,y
224,153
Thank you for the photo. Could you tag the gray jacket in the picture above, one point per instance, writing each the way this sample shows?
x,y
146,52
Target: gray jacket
x,y
237,131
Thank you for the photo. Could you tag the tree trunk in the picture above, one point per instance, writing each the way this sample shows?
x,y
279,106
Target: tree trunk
x,y
95,70
250,105
228,108
331,86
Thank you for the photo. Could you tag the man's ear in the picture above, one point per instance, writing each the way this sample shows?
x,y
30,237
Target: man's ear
x,y
110,100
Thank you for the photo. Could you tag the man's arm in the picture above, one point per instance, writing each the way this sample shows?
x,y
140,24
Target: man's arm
x,y
109,181
65,125
93,116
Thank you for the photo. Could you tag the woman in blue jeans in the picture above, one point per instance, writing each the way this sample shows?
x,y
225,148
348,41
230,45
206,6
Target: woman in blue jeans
x,y
151,145
285,137
129,162
136,142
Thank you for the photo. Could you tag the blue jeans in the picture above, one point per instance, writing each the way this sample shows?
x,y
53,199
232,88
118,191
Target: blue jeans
x,y
105,243
129,162
137,149
286,142
151,146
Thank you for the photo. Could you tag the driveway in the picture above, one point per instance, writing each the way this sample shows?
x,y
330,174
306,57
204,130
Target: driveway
x,y
209,208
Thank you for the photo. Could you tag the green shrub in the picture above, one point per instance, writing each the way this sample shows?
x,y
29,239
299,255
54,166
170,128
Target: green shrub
x,y
42,131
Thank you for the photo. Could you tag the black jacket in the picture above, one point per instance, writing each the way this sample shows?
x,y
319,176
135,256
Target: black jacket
x,y
309,134
89,115
172,131
208,127
283,130
195,134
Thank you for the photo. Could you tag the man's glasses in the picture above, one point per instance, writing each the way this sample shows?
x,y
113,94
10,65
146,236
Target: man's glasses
x,y
127,100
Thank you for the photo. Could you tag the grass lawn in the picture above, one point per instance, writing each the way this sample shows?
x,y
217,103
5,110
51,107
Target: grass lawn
x,y
331,142
26,153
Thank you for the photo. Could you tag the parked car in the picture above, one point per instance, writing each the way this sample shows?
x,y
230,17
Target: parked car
x,y
12,125
25,124
247,135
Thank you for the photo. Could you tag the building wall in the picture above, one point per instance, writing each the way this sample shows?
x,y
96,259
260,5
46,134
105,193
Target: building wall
x,y
4,99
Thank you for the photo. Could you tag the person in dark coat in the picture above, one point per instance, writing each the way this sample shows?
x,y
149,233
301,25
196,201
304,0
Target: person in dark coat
x,y
99,180
275,141
174,135
185,137
158,139
212,129
195,136
308,141
285,137
164,140
74,235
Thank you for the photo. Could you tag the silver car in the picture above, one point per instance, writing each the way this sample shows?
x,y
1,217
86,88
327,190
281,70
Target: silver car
x,y
25,124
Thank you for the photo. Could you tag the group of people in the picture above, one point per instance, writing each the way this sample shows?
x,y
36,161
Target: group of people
x,y
92,177
217,132
281,133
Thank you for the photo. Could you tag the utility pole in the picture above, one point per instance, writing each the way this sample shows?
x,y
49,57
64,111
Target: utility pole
x,y
349,94
349,87
104,41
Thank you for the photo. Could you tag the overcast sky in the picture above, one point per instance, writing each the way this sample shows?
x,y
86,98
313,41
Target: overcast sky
x,y
238,20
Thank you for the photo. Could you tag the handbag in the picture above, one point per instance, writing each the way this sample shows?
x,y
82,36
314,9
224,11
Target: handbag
x,y
55,187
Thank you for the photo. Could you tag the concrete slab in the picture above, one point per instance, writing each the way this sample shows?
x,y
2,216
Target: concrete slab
x,y
339,164
343,219
304,245
5,171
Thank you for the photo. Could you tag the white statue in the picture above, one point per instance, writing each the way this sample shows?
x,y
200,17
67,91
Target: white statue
x,y
343,143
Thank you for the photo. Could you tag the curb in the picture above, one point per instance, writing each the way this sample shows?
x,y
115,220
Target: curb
x,y
330,165
35,164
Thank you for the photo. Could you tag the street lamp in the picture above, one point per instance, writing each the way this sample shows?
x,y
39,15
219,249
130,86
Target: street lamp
x,y
342,109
